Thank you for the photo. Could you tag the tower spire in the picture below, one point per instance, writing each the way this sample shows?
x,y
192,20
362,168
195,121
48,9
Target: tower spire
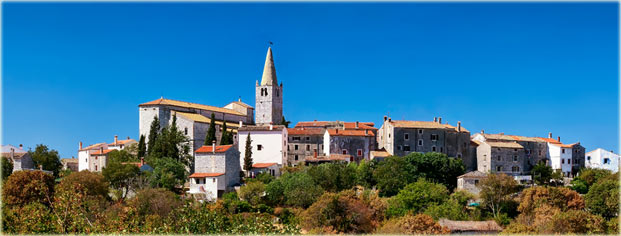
x,y
269,71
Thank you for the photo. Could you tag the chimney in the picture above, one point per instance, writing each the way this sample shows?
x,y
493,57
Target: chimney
x,y
435,119
356,124
558,138
127,137
12,154
213,146
72,157
240,123
439,120
116,139
458,126
385,118
482,131
21,146
550,135
80,145
389,119
271,126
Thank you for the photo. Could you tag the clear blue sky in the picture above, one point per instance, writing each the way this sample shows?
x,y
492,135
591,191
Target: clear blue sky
x,y
77,72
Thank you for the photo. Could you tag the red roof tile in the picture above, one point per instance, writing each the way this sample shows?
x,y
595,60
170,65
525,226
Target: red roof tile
x,y
550,140
349,132
328,124
263,165
209,149
203,175
305,131
100,153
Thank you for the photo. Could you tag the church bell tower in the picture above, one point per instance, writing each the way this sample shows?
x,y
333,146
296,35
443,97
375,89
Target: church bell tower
x,y
268,95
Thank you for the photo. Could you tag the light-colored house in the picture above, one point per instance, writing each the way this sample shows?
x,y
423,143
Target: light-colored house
x,y
567,158
470,181
270,168
216,171
70,164
20,158
602,159
269,144
95,157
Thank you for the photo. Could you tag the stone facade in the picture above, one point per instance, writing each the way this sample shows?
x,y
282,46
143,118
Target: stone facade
x,y
269,94
400,138
502,157
194,125
226,162
303,142
356,143
20,158
470,181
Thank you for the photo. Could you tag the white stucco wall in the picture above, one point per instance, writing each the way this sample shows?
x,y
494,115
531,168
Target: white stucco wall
x,y
211,186
274,146
556,156
597,158
326,143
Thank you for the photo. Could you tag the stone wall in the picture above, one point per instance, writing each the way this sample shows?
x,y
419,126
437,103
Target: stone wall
x,y
313,142
268,107
352,144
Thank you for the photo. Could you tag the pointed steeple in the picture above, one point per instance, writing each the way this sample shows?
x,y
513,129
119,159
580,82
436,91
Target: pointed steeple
x,y
269,71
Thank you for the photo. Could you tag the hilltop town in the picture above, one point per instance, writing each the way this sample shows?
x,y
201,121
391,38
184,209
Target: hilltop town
x,y
207,168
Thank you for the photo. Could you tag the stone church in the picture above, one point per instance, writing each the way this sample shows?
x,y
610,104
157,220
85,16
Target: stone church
x,y
193,119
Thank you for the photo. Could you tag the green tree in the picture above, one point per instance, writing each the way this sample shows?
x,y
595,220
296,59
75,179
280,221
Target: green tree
x,y
587,177
294,189
48,159
542,173
285,122
154,130
7,168
227,136
603,197
142,147
392,175
496,191
172,143
120,175
79,201
23,187
252,192
264,177
436,166
211,132
168,173
364,173
248,155
415,197
455,208
333,177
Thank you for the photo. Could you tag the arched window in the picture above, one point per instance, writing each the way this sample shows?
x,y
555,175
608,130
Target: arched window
x,y
498,168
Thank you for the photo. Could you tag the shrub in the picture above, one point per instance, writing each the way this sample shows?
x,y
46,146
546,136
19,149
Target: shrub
x,y
603,197
160,202
412,224
252,192
25,187
340,213
415,197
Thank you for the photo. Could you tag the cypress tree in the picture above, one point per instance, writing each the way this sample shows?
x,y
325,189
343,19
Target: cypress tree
x,y
248,155
285,122
142,147
224,140
211,132
153,132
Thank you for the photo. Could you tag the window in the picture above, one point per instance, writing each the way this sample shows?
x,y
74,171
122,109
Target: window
x,y
307,138
295,138
295,147
441,149
400,147
568,161
459,155
406,148
406,136
527,151
287,148
588,158
562,161
499,168
344,152
359,152
563,150
433,148
476,181
296,157
259,147
186,130
213,180
420,142
606,160
307,147
434,137
95,167
515,149
515,169
515,158
420,131
498,158
539,152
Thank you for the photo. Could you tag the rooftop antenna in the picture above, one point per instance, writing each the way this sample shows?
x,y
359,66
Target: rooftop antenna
x,y
271,43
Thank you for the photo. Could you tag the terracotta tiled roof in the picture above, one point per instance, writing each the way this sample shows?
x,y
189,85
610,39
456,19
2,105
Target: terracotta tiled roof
x,y
95,153
203,175
209,149
263,165
473,174
16,155
501,137
94,146
331,157
203,119
69,160
305,131
163,101
504,144
550,140
262,128
329,124
124,141
380,154
350,132
424,125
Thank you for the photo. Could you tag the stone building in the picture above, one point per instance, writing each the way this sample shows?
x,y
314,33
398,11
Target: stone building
x,y
356,143
192,118
217,171
470,181
20,158
303,142
70,164
269,144
567,158
94,157
502,157
269,94
402,137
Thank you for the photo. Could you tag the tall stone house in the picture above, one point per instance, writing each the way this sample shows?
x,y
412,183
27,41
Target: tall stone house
x,y
20,158
402,137
567,158
303,142
269,94
217,170
357,143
